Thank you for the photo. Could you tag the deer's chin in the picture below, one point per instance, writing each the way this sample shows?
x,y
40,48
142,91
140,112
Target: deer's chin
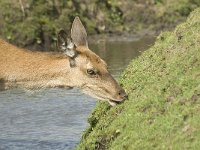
x,y
112,103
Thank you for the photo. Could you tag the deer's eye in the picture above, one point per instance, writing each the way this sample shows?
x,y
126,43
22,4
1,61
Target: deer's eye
x,y
91,72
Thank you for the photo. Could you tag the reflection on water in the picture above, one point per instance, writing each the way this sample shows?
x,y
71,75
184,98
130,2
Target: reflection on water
x,y
54,119
118,54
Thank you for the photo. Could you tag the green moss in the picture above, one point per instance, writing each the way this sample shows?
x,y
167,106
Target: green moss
x,y
163,85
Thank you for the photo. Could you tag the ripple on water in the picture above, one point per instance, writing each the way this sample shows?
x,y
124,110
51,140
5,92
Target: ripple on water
x,y
51,119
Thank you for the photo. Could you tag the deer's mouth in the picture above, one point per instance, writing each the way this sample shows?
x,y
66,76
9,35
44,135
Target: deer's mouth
x,y
96,94
114,102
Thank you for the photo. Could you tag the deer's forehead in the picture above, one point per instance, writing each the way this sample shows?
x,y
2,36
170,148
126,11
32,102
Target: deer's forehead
x,y
96,61
93,59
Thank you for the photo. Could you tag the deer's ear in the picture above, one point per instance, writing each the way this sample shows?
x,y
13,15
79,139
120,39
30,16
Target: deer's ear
x,y
78,33
65,44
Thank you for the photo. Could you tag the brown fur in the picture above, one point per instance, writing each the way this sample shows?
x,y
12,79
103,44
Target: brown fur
x,y
19,66
95,59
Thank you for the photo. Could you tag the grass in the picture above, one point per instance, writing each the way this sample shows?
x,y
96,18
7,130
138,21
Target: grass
x,y
163,109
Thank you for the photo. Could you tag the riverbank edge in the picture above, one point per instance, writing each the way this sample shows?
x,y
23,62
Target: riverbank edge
x,y
36,26
122,37
164,92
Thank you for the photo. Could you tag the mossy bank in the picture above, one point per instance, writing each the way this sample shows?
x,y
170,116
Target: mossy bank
x,y
163,110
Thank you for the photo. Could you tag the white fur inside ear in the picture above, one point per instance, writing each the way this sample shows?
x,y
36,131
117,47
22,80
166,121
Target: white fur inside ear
x,y
70,52
70,45
63,47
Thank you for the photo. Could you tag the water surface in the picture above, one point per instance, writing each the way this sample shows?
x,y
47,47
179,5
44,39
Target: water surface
x,y
54,119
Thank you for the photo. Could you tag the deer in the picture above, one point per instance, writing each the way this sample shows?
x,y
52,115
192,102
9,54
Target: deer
x,y
75,66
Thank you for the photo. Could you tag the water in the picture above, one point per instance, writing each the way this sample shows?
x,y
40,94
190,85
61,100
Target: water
x,y
51,119
54,119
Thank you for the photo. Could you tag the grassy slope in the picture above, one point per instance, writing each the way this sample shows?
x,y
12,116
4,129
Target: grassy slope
x,y
163,110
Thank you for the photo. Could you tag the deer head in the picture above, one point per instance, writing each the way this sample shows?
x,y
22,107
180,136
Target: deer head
x,y
88,71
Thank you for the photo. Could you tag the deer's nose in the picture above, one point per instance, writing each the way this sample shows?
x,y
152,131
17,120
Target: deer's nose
x,y
125,97
123,94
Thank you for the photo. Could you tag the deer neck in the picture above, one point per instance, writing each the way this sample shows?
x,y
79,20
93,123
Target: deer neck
x,y
40,70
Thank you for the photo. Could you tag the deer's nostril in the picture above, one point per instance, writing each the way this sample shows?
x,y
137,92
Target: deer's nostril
x,y
125,96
